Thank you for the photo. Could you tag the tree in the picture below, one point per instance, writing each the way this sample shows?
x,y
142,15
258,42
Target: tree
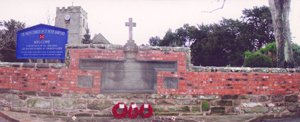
x,y
296,53
9,34
218,45
270,51
224,43
171,39
258,26
8,37
264,57
187,34
183,36
87,37
256,59
280,15
154,41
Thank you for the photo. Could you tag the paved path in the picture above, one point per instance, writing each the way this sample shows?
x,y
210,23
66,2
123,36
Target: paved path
x,y
288,119
24,117
3,120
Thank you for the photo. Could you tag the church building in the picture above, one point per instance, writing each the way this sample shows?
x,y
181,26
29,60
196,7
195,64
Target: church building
x,y
74,18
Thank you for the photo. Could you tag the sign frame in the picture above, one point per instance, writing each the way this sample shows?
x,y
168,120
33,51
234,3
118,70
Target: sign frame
x,y
41,42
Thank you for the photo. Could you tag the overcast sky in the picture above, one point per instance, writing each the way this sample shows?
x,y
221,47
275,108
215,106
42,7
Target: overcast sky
x,y
153,17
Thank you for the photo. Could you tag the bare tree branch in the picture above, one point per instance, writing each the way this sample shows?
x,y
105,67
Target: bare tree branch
x,y
221,7
7,49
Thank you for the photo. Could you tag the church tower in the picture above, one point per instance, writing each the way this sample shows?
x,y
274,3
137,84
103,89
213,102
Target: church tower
x,y
73,18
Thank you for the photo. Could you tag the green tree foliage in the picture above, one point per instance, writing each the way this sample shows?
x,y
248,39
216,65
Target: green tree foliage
x,y
186,35
154,41
219,44
259,26
296,51
269,48
171,39
256,59
270,51
8,35
183,36
224,43
205,106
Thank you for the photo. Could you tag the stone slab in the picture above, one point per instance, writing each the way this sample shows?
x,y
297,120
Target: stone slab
x,y
128,75
85,81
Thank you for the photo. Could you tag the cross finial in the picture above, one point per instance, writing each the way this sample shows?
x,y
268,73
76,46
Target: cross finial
x,y
130,24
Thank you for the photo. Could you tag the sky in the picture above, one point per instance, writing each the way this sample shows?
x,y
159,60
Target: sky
x,y
153,17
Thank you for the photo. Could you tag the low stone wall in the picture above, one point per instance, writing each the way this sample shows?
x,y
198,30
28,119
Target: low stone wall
x,y
101,104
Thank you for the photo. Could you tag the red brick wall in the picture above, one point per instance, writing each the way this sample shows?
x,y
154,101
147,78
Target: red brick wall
x,y
222,83
64,79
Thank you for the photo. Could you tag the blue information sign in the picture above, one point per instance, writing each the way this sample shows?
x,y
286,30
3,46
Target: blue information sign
x,y
42,42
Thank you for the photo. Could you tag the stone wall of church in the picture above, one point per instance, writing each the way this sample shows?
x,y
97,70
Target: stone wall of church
x,y
77,24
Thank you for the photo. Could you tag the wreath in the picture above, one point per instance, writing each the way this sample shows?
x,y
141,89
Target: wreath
x,y
142,110
116,108
133,111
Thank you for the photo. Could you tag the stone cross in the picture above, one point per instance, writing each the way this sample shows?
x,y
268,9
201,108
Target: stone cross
x,y
130,24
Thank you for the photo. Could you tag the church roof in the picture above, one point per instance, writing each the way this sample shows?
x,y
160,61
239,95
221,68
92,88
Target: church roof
x,y
100,39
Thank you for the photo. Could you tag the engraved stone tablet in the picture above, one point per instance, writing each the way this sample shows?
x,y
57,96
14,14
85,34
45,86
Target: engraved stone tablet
x,y
128,75
85,82
171,83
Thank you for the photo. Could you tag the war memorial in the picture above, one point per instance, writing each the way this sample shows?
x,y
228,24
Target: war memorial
x,y
94,77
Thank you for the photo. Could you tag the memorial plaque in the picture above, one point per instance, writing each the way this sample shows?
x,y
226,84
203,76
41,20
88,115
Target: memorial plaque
x,y
171,83
85,82
128,75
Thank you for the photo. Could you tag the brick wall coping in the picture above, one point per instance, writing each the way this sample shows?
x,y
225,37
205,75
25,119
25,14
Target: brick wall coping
x,y
192,69
32,65
99,46
165,49
142,48
243,69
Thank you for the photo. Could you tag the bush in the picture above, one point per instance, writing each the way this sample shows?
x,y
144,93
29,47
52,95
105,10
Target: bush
x,y
270,51
205,106
271,47
296,50
256,59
